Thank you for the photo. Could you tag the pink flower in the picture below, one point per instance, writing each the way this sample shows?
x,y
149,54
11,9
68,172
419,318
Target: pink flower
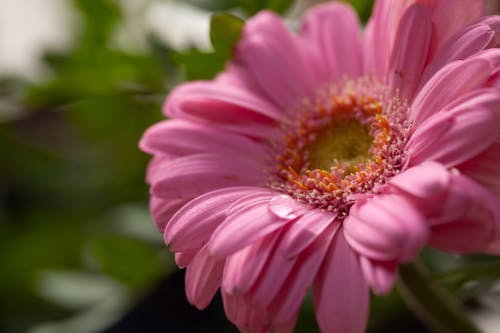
x,y
326,158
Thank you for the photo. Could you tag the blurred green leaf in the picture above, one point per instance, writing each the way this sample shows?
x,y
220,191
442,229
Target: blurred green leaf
x,y
128,260
199,65
225,31
250,7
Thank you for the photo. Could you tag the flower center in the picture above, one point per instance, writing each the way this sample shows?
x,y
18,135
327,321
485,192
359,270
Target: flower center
x,y
346,143
341,141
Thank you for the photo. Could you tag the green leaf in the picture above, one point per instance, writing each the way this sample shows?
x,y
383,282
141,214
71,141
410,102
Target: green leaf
x,y
128,260
225,31
199,65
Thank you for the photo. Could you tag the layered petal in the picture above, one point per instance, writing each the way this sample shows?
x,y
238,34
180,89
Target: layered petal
x,y
163,210
450,83
484,168
380,275
192,226
470,221
333,31
386,227
341,296
203,276
286,304
223,105
275,60
176,138
236,232
407,60
456,135
305,230
465,43
192,175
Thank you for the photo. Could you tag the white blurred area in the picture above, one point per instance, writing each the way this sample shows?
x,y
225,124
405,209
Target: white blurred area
x,y
27,28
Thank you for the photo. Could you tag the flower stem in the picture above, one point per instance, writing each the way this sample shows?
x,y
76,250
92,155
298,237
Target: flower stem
x,y
435,306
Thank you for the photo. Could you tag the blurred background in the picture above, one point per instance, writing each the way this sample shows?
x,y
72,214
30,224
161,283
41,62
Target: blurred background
x,y
80,80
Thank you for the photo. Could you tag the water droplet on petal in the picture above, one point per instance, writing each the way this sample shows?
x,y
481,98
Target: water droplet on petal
x,y
283,206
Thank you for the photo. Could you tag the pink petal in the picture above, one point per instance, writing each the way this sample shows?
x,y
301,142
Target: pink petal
x,y
333,29
379,35
227,106
244,267
287,302
483,168
380,275
246,223
464,44
450,83
305,230
452,137
449,17
183,259
386,227
275,60
426,180
341,295
192,226
177,137
245,317
163,210
192,175
408,58
272,278
470,220
203,276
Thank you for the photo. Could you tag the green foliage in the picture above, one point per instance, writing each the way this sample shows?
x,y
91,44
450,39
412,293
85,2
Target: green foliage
x,y
130,261
249,7
225,31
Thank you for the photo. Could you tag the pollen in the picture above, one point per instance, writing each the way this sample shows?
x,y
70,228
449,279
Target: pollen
x,y
346,142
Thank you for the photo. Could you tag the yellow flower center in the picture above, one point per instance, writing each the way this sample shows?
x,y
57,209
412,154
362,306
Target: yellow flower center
x,y
344,141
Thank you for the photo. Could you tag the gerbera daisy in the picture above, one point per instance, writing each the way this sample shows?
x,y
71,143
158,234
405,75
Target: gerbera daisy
x,y
325,158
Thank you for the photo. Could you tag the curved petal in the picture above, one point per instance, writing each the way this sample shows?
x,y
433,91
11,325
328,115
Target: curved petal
x,y
380,275
379,35
470,221
192,226
274,58
203,276
333,29
178,138
192,175
483,168
426,181
465,43
244,267
455,136
225,105
408,58
450,83
183,259
248,221
163,210
305,230
386,227
449,16
244,316
287,302
341,295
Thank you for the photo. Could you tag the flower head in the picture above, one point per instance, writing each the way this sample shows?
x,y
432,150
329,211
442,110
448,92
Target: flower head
x,y
326,158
